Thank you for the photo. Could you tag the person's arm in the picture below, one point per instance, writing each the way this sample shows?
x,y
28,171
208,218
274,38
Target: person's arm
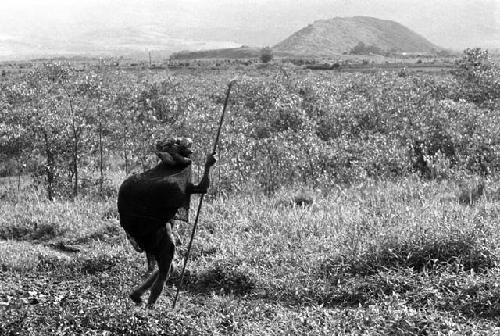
x,y
202,187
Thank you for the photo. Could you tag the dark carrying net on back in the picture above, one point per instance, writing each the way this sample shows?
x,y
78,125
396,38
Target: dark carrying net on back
x,y
149,200
159,193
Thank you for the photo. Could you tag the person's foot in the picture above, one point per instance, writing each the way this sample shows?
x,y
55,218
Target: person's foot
x,y
136,298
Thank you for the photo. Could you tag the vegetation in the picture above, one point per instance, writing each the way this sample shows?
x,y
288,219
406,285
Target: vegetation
x,y
266,55
363,49
335,206
340,34
318,129
374,258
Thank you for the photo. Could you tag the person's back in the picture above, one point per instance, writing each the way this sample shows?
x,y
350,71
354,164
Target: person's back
x,y
157,193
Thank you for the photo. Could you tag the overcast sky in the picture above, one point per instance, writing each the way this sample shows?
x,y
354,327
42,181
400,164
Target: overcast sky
x,y
448,23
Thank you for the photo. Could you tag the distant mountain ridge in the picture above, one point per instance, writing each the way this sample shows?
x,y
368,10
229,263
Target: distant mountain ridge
x,y
105,42
340,34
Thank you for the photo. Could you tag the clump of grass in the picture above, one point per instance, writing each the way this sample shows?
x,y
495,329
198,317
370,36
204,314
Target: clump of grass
x,y
418,290
300,198
24,256
475,295
230,277
30,230
363,290
15,232
111,213
45,232
98,264
463,250
203,251
470,193
60,263
106,233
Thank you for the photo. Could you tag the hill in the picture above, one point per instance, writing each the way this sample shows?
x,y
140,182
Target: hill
x,y
340,35
225,53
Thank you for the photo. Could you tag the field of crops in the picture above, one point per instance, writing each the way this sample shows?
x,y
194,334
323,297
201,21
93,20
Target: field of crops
x,y
396,234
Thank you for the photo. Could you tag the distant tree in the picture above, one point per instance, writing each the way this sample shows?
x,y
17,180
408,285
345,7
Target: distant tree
x,y
364,49
266,55
43,100
478,77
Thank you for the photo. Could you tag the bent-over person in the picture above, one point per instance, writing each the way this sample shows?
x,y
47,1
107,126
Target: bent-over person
x,y
148,203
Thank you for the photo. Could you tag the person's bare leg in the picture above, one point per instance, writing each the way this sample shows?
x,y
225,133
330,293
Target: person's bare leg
x,y
139,291
164,259
157,289
151,262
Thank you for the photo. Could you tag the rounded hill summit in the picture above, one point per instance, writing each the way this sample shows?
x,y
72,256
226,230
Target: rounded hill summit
x,y
341,34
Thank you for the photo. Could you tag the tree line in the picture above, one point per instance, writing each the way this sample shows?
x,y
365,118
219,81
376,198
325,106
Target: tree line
x,y
69,129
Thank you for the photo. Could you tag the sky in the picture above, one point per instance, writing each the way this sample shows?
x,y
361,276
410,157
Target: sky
x,y
449,23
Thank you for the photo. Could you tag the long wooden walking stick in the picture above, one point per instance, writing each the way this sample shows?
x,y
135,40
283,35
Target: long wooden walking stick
x,y
193,232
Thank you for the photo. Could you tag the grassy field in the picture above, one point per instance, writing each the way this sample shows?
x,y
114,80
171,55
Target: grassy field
x,y
378,258
387,244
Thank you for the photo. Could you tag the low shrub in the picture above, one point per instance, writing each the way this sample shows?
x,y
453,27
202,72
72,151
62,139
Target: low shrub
x,y
473,295
358,290
111,213
230,277
15,232
45,232
30,230
464,251
98,264
24,256
54,262
106,233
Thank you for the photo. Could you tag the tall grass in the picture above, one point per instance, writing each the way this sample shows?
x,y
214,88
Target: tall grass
x,y
376,258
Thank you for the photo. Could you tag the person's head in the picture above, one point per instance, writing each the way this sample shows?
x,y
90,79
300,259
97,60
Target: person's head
x,y
184,146
174,151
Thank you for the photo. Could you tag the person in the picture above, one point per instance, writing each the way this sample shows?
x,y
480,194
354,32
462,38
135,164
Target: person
x,y
149,202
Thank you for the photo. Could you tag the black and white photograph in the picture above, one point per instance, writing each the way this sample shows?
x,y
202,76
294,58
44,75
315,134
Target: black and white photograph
x,y
249,167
